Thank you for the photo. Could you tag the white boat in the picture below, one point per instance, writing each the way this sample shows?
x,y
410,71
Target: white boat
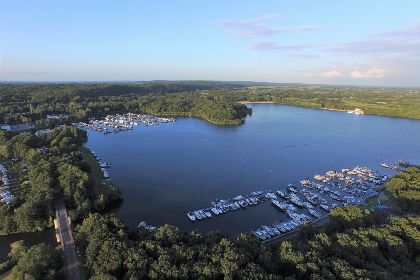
x,y
268,230
207,213
324,207
203,215
197,215
275,230
215,211
385,165
281,228
280,205
243,203
143,224
293,224
259,234
264,233
314,213
270,195
191,216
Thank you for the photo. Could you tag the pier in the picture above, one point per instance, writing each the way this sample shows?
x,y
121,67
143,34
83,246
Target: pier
x,y
119,123
307,201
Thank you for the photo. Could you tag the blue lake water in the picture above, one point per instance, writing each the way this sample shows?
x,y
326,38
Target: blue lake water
x,y
167,170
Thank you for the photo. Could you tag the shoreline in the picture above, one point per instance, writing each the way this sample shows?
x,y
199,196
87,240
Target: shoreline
x,y
332,109
256,102
356,111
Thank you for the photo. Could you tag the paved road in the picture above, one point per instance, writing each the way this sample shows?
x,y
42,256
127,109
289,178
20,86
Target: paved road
x,y
67,241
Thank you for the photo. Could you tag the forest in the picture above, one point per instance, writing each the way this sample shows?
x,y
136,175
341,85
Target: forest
x,y
31,103
405,189
375,101
216,102
43,168
357,243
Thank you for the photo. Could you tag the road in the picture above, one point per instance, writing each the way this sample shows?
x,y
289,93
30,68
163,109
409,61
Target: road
x,y
67,241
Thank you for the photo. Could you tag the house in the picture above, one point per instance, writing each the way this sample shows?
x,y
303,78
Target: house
x,y
17,127
42,132
57,116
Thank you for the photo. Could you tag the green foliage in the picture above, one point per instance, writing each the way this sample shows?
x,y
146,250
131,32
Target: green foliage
x,y
347,217
37,262
83,101
369,248
388,251
60,172
168,253
405,189
377,101
357,244
104,192
213,101
17,250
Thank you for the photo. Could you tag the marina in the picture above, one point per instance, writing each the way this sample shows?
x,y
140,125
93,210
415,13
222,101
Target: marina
x,y
315,200
305,202
168,171
118,123
102,164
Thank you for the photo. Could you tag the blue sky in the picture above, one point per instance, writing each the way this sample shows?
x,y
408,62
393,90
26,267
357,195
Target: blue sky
x,y
336,42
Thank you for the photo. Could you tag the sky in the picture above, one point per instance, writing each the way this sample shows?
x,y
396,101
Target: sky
x,y
333,42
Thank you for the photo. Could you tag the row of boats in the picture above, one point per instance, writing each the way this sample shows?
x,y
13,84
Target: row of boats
x,y
117,123
346,176
199,215
221,206
314,194
103,165
303,203
396,166
267,232
5,195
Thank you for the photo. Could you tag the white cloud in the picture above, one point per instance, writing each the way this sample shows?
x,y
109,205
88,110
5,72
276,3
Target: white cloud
x,y
256,27
269,45
332,74
375,73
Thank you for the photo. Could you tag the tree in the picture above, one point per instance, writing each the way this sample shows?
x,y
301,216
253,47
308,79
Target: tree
x,y
17,250
38,262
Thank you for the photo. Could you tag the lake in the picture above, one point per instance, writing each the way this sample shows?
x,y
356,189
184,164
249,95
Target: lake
x,y
164,171
167,170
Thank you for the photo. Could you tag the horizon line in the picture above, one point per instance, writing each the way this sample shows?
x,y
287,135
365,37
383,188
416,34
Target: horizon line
x,y
199,80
